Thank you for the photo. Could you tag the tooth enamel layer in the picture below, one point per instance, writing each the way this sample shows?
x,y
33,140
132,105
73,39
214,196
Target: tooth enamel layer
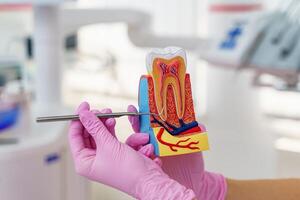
x,y
167,68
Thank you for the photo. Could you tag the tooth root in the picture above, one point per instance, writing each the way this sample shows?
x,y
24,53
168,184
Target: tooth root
x,y
178,93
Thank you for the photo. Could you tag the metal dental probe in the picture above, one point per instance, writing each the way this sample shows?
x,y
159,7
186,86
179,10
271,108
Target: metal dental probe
x,y
100,115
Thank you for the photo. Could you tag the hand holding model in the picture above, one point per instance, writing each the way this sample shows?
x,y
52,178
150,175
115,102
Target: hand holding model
x,y
187,169
99,156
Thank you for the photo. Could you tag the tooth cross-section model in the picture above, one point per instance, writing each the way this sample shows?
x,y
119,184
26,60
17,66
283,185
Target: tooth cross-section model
x,y
166,91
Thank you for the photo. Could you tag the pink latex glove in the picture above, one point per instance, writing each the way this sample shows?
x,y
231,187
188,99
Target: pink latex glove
x,y
187,169
99,156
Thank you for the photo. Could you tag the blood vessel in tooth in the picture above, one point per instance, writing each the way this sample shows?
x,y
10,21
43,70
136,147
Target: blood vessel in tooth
x,y
166,91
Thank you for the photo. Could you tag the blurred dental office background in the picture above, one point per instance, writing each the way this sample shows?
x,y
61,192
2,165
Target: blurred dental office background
x,y
242,56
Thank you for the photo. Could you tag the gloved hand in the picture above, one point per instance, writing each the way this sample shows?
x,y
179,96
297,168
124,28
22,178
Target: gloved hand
x,y
187,169
99,156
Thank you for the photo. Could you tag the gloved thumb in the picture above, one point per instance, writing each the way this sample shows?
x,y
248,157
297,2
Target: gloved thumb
x,y
94,126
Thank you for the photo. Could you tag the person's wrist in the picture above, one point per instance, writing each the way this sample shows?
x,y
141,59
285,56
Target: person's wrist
x,y
157,185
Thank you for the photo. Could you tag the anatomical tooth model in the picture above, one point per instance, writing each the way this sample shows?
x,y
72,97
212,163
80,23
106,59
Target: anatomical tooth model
x,y
166,91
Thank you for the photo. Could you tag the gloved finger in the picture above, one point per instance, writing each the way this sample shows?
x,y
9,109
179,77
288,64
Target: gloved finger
x,y
158,161
147,150
76,130
76,124
95,127
134,120
110,123
202,127
137,139
104,111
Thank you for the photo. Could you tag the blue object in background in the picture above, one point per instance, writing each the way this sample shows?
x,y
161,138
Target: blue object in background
x,y
52,158
9,117
231,40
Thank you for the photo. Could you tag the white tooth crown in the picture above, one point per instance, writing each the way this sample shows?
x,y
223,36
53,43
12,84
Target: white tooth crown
x,y
166,53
